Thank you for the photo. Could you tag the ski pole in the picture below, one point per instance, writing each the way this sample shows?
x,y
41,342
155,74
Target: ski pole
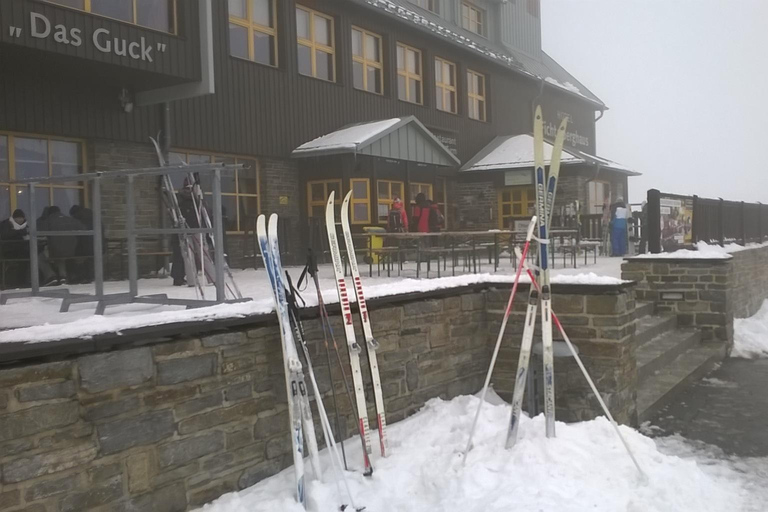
x,y
528,237
591,384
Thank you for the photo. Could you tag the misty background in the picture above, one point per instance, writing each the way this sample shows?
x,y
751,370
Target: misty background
x,y
686,82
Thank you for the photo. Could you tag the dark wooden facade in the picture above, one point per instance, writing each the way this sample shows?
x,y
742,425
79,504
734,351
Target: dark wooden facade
x,y
257,110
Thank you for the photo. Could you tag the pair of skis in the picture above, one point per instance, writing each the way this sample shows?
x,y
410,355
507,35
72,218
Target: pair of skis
x,y
299,410
349,331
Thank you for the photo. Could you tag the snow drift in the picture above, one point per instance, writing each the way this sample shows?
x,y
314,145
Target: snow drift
x,y
584,468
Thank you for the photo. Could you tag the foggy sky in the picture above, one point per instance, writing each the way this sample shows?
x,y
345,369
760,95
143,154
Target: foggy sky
x,y
686,82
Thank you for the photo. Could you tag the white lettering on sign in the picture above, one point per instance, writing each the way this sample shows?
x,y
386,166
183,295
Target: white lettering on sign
x,y
40,27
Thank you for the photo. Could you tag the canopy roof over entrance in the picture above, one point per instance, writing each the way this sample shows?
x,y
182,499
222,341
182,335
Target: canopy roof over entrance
x,y
516,151
399,138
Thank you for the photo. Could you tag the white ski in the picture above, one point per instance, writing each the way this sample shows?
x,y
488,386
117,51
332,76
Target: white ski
x,y
371,344
349,331
292,366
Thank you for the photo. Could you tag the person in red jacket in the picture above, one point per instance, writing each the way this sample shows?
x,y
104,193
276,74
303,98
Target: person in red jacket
x,y
397,221
420,215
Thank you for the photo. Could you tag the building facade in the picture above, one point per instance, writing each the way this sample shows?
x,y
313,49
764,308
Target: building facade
x,y
86,83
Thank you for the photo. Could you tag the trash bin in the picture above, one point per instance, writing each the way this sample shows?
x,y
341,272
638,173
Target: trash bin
x,y
374,242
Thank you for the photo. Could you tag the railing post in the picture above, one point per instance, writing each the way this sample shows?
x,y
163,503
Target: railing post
x,y
654,221
721,222
694,222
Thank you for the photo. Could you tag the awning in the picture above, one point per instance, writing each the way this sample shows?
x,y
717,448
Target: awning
x,y
516,151
399,138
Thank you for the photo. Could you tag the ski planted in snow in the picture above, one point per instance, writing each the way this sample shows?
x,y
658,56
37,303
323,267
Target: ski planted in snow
x,y
349,331
294,377
371,344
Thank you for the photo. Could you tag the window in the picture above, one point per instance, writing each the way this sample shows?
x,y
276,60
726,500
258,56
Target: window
x,y
420,188
367,69
361,209
598,194
445,85
252,30
154,14
476,95
515,202
409,78
317,196
473,18
28,156
430,5
316,44
239,189
387,192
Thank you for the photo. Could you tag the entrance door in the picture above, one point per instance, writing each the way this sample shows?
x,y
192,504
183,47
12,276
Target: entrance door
x,y
516,203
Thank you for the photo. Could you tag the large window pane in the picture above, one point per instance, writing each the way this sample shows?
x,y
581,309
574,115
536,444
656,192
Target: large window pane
x,y
302,24
317,192
238,41
249,207
261,11
412,64
357,43
118,9
322,30
229,212
383,188
360,212
263,48
31,157
66,198
401,88
4,175
155,14
335,187
305,60
357,75
372,48
247,177
360,190
41,200
5,202
374,80
65,158
323,65
237,9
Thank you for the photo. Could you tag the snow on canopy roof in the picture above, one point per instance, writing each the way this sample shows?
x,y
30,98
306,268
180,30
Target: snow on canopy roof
x,y
516,151
349,137
400,138
544,68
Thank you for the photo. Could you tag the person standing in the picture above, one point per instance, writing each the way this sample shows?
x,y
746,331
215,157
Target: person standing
x,y
85,243
416,214
619,228
397,220
14,235
63,248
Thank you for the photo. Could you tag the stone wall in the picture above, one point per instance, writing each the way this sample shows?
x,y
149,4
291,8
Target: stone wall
x,y
602,327
128,423
703,293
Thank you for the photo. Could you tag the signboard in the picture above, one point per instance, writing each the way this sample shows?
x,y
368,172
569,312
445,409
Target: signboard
x,y
447,139
676,222
518,177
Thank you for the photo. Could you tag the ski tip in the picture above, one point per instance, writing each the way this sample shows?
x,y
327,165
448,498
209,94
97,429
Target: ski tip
x,y
331,198
564,123
348,196
273,223
261,223
538,112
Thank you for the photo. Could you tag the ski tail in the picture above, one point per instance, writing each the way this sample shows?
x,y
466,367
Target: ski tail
x,y
371,344
522,366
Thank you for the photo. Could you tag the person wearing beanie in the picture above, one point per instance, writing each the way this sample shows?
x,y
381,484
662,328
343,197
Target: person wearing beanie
x,y
397,221
14,235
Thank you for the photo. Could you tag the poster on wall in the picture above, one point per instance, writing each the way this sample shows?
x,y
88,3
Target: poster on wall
x,y
676,219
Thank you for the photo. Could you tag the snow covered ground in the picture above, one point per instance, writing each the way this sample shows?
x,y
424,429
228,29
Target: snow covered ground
x,y
750,335
584,468
39,320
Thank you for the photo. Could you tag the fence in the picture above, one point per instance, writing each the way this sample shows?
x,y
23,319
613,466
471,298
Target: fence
x,y
676,221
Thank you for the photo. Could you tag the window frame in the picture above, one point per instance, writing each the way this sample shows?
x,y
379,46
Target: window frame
x,y
173,19
472,98
354,201
237,194
390,200
314,46
408,75
446,88
527,198
252,27
481,18
366,63
13,189
428,5
324,202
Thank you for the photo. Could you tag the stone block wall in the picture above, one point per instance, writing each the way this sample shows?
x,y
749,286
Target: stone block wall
x,y
171,424
697,291
601,324
706,294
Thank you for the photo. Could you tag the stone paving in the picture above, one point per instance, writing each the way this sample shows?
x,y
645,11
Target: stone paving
x,y
728,408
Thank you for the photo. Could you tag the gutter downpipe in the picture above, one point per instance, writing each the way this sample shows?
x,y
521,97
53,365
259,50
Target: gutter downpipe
x,y
165,149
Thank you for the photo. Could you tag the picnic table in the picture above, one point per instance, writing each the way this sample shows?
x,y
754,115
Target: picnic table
x,y
458,244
